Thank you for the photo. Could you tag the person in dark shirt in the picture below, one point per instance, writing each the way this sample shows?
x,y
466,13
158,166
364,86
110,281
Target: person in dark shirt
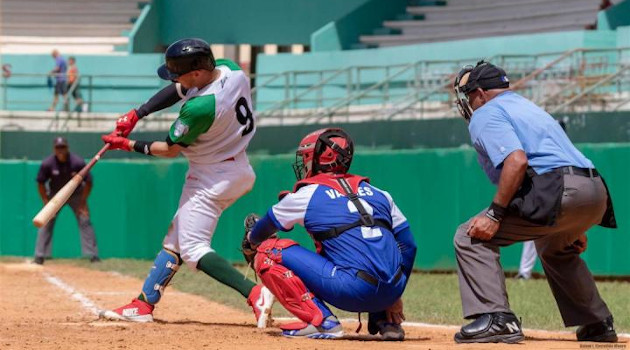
x,y
55,171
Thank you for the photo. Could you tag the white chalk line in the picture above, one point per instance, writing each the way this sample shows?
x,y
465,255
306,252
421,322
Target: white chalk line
x,y
448,327
85,301
90,306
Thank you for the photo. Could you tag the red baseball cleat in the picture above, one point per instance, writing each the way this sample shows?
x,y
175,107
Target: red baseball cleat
x,y
136,311
261,300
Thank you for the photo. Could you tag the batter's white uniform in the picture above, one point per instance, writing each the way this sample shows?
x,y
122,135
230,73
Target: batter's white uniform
x,y
215,125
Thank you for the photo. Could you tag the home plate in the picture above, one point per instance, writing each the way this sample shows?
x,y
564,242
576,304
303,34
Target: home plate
x,y
109,324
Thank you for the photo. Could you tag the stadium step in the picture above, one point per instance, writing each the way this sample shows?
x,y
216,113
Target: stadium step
x,y
67,18
427,2
409,17
69,45
362,46
386,31
464,19
500,11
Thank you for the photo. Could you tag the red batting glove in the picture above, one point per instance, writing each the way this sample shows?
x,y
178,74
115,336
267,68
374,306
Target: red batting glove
x,y
116,142
126,123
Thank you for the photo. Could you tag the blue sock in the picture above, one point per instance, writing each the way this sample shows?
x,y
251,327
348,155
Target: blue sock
x,y
325,310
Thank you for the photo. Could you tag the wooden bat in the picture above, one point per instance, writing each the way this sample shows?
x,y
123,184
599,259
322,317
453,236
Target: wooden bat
x,y
60,198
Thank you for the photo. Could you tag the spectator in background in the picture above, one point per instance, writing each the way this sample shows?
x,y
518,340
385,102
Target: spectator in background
x,y
56,171
74,79
59,73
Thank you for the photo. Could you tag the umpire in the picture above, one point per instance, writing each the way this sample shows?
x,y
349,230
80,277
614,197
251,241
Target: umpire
x,y
547,191
56,171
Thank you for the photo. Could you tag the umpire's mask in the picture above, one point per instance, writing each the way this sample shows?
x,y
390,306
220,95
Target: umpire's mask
x,y
484,76
461,97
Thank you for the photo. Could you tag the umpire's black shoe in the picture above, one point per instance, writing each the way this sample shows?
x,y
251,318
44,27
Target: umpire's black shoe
x,y
602,331
38,260
497,327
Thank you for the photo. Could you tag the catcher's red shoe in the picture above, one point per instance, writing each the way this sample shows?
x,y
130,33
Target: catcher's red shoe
x,y
261,300
136,311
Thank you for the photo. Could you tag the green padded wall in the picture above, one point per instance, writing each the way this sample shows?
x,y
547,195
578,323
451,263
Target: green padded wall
x,y
133,201
405,134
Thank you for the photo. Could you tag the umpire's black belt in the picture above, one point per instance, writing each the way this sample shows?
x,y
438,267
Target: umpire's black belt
x,y
572,170
374,281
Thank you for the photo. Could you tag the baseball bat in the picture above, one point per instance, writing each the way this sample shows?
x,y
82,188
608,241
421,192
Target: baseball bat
x,y
60,198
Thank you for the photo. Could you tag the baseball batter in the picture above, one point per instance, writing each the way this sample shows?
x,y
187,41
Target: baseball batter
x,y
214,127
365,248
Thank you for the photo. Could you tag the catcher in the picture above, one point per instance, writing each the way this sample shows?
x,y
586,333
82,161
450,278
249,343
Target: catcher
x,y
365,248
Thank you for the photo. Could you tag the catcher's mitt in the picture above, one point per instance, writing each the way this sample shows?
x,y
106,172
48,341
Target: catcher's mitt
x,y
248,251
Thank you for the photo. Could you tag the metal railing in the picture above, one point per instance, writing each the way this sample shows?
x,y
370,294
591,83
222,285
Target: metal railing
x,y
423,89
382,86
575,79
101,93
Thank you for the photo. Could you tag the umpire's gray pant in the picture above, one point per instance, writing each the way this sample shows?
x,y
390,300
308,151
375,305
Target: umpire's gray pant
x,y
88,240
481,277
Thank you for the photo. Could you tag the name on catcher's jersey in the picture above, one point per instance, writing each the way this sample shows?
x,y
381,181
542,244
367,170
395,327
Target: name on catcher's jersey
x,y
320,208
216,122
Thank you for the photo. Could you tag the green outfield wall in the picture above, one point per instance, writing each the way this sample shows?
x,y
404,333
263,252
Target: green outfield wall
x,y
133,201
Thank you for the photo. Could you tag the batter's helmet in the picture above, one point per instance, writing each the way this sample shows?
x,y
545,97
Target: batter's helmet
x,y
185,56
323,151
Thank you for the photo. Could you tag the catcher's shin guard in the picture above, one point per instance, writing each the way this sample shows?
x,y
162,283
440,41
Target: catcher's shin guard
x,y
288,289
164,268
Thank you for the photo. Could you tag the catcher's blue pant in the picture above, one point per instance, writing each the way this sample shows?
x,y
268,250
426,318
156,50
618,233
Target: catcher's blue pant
x,y
340,286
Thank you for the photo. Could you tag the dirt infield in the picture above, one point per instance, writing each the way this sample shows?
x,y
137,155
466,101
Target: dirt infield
x,y
55,306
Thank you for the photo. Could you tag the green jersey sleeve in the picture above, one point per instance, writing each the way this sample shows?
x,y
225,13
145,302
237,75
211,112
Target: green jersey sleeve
x,y
195,118
228,63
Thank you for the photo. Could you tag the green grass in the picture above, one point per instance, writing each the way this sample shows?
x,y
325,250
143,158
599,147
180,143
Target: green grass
x,y
430,298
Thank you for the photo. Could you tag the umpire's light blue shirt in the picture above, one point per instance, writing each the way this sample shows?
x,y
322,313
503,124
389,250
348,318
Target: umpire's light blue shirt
x,y
510,122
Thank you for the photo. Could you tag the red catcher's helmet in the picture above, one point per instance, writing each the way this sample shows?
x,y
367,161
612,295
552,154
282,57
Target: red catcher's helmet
x,y
323,151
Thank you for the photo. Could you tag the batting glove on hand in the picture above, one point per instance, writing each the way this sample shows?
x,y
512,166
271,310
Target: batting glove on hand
x,y
116,142
126,123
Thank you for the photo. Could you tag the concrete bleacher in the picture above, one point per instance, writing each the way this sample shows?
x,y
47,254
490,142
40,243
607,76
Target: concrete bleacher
x,y
462,19
80,26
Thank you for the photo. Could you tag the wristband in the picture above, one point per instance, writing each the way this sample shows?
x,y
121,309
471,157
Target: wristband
x,y
496,212
143,147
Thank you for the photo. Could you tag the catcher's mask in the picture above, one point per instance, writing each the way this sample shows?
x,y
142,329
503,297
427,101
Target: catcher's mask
x,y
483,76
323,151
